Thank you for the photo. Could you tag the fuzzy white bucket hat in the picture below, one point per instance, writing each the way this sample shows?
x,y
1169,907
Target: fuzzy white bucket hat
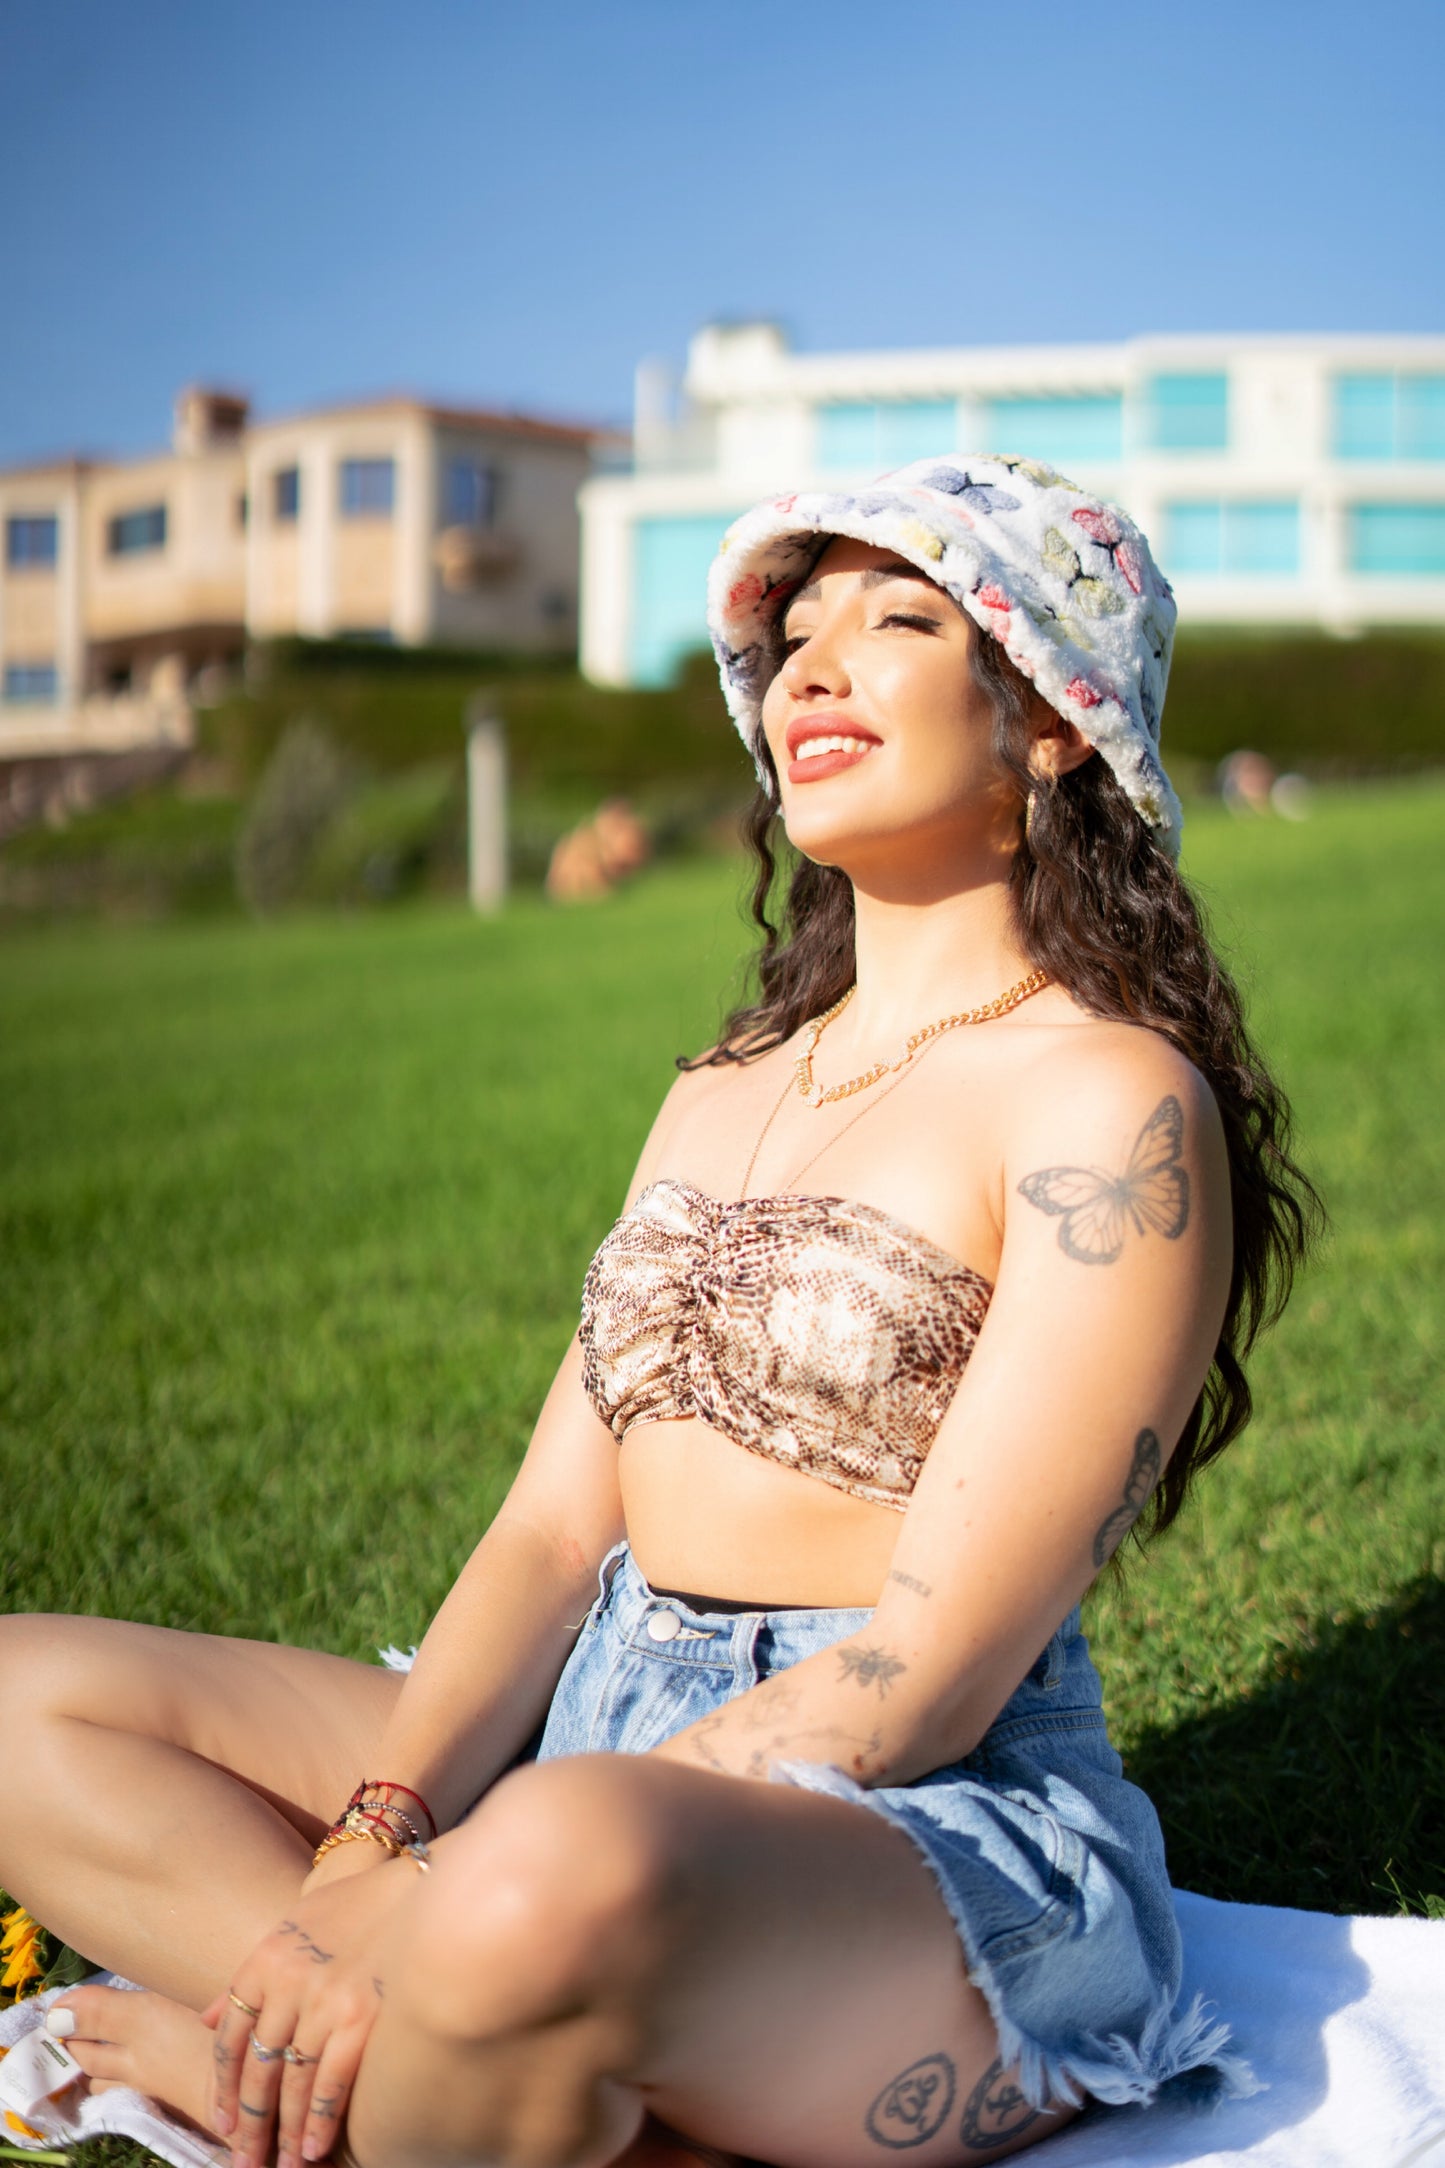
x,y
1063,581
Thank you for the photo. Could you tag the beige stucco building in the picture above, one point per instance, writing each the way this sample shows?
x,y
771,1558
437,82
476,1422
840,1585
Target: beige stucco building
x,y
390,519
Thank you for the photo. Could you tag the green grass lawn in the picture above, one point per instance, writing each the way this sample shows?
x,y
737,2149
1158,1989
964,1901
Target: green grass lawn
x,y
293,1222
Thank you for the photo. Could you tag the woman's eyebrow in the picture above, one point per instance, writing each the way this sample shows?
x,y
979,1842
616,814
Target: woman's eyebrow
x,y
877,575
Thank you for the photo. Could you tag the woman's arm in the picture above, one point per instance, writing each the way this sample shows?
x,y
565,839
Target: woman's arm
x,y
1109,1298
492,1656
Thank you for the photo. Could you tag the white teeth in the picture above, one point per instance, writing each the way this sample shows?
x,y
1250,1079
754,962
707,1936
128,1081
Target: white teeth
x,y
813,748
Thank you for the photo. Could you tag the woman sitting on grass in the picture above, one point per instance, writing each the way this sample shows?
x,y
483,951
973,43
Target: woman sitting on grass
x,y
753,1776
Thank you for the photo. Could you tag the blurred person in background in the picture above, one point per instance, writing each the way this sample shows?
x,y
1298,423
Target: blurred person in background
x,y
751,1790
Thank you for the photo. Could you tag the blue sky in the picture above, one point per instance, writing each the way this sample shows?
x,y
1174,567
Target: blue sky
x,y
510,204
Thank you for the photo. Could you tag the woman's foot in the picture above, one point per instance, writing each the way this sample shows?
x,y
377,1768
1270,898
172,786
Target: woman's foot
x,y
126,2036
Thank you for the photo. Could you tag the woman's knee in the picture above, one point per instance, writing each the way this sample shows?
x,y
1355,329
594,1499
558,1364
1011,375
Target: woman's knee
x,y
563,1889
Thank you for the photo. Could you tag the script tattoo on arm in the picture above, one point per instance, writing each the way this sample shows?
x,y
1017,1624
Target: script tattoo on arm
x,y
996,2110
906,1580
1138,1487
1096,1209
871,1667
914,2106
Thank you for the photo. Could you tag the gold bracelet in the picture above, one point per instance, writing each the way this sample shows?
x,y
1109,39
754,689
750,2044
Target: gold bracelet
x,y
354,1826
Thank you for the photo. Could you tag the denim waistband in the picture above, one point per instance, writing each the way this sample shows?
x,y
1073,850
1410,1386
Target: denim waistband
x,y
723,1640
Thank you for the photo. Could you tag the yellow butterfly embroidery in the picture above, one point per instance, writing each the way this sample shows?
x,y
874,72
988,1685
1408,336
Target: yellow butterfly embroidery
x,y
1097,1208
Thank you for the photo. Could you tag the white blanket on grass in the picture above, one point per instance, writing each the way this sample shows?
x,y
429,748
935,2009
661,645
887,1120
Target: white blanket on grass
x,y
1343,2021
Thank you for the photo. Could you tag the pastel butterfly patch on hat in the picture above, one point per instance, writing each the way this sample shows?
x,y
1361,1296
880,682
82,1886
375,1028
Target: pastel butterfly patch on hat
x,y
1098,1208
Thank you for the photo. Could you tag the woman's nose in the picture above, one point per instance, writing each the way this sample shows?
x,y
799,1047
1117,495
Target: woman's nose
x,y
818,666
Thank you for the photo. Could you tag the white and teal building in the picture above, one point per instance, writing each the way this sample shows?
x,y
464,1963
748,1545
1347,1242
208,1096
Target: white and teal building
x,y
1290,480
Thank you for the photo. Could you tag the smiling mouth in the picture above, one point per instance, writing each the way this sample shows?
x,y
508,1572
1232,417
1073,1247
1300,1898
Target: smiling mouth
x,y
827,754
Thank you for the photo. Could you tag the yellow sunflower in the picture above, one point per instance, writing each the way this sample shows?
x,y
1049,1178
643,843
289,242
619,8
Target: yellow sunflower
x,y
20,1951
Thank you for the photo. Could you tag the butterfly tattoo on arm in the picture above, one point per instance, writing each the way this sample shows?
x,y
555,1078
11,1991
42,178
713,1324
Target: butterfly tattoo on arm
x,y
1097,1209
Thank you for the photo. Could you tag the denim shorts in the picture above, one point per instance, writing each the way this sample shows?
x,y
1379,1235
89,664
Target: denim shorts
x,y
1050,1863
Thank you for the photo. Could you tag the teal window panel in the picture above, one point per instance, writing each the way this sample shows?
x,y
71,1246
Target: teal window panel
x,y
847,437
910,429
1194,537
1064,431
870,436
1420,417
670,564
1365,417
1385,416
1398,538
1262,537
1208,536
1188,413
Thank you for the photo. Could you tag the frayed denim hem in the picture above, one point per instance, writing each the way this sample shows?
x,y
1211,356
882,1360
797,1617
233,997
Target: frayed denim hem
x,y
1115,2070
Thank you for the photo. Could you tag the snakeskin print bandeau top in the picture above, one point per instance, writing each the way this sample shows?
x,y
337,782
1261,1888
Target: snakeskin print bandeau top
x,y
822,1334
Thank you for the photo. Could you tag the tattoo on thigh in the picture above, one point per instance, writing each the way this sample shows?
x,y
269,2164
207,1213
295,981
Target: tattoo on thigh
x,y
996,2109
380,1987
1097,1208
1138,1485
871,1667
914,2106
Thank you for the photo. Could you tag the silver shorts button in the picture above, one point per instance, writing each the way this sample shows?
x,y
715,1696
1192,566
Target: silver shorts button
x,y
663,1625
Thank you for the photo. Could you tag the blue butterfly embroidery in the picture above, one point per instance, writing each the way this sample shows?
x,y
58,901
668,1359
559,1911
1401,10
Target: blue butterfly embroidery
x,y
978,496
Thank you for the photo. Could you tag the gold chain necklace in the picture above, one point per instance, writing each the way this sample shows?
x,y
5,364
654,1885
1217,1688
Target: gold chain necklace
x,y
920,1042
819,1095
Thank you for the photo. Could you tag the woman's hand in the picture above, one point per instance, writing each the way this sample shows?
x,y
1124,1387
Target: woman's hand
x,y
313,1986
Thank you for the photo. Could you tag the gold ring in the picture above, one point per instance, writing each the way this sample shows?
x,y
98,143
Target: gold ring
x,y
295,2056
246,2007
266,2055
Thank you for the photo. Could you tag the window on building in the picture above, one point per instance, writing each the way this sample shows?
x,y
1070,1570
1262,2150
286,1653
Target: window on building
x,y
1389,415
1212,536
368,488
286,494
32,539
469,493
669,590
128,534
1399,538
1064,429
1187,413
871,436
37,681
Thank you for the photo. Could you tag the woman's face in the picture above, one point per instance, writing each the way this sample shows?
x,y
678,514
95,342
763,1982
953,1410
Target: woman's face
x,y
882,742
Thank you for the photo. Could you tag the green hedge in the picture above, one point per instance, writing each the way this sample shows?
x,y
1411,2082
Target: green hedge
x,y
1332,706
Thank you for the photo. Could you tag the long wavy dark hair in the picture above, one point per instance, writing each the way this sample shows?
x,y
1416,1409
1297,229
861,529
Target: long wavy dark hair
x,y
1098,906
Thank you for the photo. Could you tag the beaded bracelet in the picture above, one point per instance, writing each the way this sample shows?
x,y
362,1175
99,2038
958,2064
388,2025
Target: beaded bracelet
x,y
389,1784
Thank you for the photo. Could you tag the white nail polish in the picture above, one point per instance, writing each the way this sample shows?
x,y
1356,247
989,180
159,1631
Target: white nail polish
x,y
60,2024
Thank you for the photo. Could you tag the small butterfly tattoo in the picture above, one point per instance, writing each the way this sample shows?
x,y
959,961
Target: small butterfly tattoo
x,y
1138,1488
1097,1208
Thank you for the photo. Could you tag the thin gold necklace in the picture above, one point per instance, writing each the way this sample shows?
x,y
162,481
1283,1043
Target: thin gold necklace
x,y
819,1095
919,1043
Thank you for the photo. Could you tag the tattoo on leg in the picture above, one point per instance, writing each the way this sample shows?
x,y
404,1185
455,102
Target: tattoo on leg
x,y
1098,1208
871,1667
914,2106
906,1580
996,2110
1138,1487
380,1987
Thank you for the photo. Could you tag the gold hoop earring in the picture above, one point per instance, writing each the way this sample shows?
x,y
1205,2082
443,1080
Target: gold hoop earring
x,y
1029,804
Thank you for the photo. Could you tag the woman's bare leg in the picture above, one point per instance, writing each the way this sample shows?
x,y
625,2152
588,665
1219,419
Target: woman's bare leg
x,y
167,1789
768,1970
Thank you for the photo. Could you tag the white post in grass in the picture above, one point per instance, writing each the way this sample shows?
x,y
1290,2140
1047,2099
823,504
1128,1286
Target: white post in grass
x,y
486,805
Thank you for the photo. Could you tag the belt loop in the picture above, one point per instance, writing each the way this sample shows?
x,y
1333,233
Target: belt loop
x,y
747,1671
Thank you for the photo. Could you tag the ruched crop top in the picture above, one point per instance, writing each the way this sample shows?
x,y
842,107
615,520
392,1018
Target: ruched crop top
x,y
819,1333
